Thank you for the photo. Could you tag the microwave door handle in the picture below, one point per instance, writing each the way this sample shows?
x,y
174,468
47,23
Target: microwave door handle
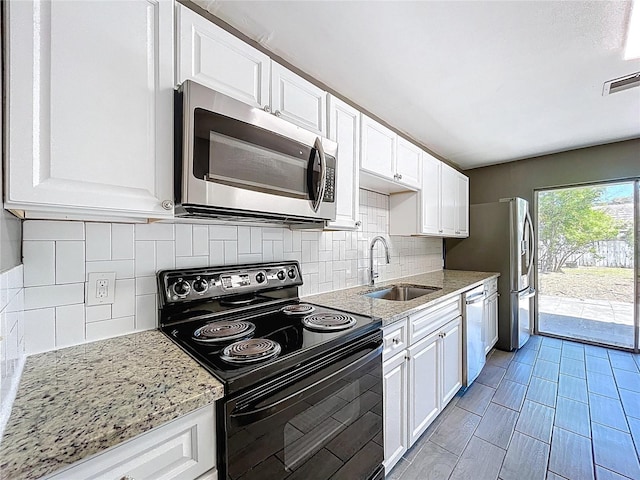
x,y
319,189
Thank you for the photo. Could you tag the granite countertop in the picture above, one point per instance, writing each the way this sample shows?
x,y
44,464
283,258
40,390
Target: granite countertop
x,y
78,401
452,282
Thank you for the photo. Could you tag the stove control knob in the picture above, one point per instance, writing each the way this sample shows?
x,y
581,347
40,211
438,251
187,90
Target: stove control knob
x,y
200,285
181,288
260,277
292,273
281,275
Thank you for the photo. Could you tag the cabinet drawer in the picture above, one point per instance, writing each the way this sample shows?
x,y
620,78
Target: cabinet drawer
x,y
180,450
491,286
423,323
394,339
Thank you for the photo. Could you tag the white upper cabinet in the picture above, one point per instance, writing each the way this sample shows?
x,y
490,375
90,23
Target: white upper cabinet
x,y
297,100
90,109
408,163
440,209
388,163
214,58
344,128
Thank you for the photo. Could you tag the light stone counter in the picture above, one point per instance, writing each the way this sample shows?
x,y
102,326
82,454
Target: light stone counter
x,y
452,282
78,401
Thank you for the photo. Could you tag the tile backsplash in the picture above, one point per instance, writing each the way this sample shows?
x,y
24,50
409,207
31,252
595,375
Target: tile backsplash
x,y
59,255
11,338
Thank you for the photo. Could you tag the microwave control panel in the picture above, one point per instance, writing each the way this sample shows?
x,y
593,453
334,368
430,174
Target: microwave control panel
x,y
330,186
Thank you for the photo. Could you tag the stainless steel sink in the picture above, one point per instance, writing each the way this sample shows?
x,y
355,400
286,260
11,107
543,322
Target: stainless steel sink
x,y
401,292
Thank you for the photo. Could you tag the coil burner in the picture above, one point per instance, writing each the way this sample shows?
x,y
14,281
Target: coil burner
x,y
299,309
328,322
250,351
222,331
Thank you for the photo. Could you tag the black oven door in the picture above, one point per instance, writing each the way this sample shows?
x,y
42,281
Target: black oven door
x,y
318,424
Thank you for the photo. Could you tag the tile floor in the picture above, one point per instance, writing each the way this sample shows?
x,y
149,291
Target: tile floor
x,y
553,410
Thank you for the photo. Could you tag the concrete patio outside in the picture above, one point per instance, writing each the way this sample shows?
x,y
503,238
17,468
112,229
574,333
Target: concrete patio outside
x,y
602,321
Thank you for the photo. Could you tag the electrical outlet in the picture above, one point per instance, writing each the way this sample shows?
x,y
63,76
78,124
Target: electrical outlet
x,y
101,288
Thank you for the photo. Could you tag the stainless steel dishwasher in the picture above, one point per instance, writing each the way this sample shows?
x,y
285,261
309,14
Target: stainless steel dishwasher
x,y
473,356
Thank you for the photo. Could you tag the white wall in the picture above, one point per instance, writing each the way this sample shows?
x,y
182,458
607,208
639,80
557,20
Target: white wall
x,y
59,255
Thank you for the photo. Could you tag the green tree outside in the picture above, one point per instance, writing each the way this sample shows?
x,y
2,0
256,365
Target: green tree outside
x,y
570,225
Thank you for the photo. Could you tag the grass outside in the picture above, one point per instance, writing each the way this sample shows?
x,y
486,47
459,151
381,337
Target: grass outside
x,y
596,283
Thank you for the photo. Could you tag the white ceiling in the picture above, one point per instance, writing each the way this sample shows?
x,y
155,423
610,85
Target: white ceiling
x,y
477,83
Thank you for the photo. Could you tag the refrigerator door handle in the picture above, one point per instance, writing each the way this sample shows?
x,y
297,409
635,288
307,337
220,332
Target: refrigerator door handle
x,y
527,294
531,246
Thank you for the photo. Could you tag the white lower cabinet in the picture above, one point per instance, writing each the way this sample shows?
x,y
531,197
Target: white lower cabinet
x,y
421,380
183,449
424,395
395,409
491,315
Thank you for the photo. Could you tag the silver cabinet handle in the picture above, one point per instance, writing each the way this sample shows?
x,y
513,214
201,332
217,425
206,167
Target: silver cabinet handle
x,y
277,113
399,176
266,108
167,204
396,341
128,477
439,231
358,223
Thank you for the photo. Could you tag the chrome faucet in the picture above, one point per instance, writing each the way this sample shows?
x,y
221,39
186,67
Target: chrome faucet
x,y
373,275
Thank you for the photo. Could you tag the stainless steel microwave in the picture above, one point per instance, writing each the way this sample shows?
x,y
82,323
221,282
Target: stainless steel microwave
x,y
234,161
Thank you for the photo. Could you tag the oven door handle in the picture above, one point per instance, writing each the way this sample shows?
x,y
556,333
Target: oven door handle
x,y
267,410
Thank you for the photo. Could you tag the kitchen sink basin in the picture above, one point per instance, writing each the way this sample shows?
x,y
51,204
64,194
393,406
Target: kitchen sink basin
x,y
401,292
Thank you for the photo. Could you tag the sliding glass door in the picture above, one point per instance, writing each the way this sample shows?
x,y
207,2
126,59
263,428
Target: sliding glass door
x,y
587,263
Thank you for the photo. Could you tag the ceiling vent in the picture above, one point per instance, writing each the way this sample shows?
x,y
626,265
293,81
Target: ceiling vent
x,y
622,83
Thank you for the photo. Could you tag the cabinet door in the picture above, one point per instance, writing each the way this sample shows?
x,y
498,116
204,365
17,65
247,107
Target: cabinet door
x,y
430,195
462,205
378,149
491,322
344,128
449,195
395,409
90,108
424,394
408,163
451,362
298,101
213,57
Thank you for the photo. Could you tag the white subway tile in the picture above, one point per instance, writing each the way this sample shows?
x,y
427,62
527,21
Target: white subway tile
x,y
244,240
249,258
296,241
39,330
122,268
192,262
165,255
97,313
272,233
98,241
122,245
154,231
110,328
308,268
145,263
256,240
70,264
223,232
287,240
200,240
124,301
15,277
267,251
69,325
39,263
146,285
230,252
278,250
52,230
184,240
53,295
146,312
216,252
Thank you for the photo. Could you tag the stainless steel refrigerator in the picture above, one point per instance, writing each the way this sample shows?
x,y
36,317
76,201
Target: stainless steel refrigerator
x,y
501,240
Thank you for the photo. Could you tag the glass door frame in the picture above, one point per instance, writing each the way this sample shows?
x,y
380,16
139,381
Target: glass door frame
x,y
636,263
